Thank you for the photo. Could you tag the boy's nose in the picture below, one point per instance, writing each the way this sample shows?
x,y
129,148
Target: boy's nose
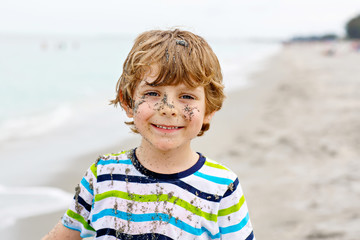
x,y
168,110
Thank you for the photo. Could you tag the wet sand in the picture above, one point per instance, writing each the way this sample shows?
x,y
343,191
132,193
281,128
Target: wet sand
x,y
293,138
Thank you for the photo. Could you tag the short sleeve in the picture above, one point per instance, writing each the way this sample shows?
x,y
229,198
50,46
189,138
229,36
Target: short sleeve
x,y
77,217
233,215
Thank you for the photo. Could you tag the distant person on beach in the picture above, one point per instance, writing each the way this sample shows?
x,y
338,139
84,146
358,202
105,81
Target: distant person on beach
x,y
356,46
171,87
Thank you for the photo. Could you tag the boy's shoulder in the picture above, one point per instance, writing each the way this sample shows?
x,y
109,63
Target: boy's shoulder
x,y
214,168
107,162
111,158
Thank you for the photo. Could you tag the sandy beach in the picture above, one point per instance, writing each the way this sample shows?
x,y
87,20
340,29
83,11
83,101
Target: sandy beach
x,y
297,149
293,138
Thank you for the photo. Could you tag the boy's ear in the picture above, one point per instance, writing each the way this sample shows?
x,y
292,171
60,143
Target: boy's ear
x,y
209,116
126,107
129,111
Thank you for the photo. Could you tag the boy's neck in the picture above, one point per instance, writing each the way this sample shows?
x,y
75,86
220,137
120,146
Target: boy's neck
x,y
166,162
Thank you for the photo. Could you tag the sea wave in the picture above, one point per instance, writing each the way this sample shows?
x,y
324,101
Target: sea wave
x,y
34,125
22,202
251,58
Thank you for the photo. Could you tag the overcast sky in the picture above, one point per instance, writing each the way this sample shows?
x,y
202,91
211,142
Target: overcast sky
x,y
221,18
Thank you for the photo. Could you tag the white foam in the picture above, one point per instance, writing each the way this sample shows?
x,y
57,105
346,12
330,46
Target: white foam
x,y
239,60
30,126
22,202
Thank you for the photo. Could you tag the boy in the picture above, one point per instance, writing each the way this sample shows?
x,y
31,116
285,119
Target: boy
x,y
171,86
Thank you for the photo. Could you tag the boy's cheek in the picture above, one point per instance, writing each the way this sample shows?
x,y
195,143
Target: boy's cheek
x,y
190,111
143,106
137,104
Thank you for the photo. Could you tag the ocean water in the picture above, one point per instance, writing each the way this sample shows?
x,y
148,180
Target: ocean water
x,y
54,95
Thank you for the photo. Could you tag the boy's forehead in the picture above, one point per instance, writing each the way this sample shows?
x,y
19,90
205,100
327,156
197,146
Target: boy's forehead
x,y
151,76
181,85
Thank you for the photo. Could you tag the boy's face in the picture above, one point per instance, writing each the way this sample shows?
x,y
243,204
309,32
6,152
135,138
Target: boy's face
x,y
168,117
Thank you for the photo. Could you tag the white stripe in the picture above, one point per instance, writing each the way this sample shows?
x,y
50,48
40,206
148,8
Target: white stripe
x,y
232,199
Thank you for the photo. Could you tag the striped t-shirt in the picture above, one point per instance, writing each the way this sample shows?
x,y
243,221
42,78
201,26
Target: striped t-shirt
x,y
119,199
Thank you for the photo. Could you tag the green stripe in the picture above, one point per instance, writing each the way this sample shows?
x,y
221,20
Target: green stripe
x,y
79,218
93,168
215,165
115,154
157,198
232,209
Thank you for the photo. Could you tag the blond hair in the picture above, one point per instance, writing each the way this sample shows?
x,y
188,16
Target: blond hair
x,y
182,57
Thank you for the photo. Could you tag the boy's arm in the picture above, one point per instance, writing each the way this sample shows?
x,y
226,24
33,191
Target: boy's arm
x,y
234,220
60,232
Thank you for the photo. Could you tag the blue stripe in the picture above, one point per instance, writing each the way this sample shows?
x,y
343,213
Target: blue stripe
x,y
150,217
86,184
72,228
119,235
123,178
83,203
236,227
218,180
251,236
113,161
230,191
146,180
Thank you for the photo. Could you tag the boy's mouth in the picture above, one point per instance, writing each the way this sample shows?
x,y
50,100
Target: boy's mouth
x,y
166,127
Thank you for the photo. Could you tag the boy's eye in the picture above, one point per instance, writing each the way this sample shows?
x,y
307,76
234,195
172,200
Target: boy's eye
x,y
187,97
152,94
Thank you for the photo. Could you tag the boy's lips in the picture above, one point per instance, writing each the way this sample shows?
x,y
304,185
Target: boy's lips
x,y
166,127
